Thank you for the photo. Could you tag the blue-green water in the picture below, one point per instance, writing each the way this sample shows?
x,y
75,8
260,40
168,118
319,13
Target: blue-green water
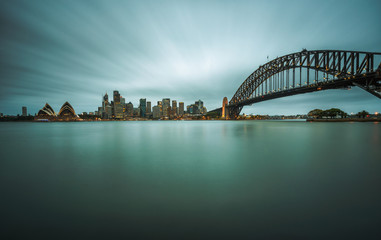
x,y
190,179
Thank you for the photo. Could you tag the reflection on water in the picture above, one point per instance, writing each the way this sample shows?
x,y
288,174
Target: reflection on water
x,y
197,179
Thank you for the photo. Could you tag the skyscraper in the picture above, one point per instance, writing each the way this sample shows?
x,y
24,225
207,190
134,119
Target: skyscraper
x,y
143,107
200,104
166,105
160,105
174,108
116,97
106,112
156,112
148,110
130,109
24,111
181,108
118,108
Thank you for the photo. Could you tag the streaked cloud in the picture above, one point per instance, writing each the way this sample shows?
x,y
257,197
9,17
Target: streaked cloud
x,y
53,51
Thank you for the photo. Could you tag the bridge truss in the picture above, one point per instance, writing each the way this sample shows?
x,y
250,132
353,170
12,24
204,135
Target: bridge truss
x,y
308,71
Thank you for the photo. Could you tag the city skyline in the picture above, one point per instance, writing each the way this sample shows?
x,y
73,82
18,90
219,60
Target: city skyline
x,y
57,51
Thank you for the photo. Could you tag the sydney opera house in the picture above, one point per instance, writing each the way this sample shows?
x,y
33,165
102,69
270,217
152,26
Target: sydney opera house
x,y
66,113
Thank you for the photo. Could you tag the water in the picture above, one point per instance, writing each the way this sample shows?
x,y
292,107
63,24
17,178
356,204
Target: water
x,y
190,179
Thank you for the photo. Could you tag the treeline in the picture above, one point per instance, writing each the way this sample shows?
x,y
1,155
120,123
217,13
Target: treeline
x,y
334,113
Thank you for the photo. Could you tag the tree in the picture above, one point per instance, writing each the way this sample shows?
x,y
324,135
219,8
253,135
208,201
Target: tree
x,y
362,114
316,113
334,112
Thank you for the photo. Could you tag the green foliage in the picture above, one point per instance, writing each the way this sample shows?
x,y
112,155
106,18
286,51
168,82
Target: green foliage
x,y
331,113
362,114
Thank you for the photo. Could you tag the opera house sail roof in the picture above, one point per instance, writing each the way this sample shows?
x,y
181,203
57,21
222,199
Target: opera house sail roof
x,y
46,110
66,110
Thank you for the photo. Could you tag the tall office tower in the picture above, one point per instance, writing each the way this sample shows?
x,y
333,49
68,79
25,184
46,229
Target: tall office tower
x,y
143,107
169,110
156,114
166,105
105,103
148,110
116,97
24,112
174,108
118,107
99,111
130,109
160,105
181,108
107,112
123,103
200,104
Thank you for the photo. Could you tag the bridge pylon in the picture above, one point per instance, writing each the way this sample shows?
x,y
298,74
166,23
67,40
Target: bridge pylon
x,y
225,111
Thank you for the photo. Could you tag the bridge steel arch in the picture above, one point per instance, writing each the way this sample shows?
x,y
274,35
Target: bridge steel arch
x,y
308,71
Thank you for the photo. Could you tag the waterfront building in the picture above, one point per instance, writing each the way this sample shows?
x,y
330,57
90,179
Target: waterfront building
x,y
148,110
169,110
166,105
47,110
105,101
108,112
24,112
118,107
156,114
129,109
199,103
118,110
200,107
174,108
181,108
136,112
143,107
160,105
116,96
66,110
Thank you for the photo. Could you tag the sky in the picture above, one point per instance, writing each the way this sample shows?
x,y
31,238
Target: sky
x,y
77,50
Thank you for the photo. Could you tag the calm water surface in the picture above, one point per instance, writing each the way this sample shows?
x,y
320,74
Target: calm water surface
x,y
190,179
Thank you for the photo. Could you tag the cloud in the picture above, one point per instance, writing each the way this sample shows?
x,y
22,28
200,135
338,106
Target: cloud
x,y
76,50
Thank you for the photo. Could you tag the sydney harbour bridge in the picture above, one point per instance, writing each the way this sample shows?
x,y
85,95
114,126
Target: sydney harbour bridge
x,y
303,72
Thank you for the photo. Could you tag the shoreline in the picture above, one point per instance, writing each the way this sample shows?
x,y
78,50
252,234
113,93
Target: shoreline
x,y
346,120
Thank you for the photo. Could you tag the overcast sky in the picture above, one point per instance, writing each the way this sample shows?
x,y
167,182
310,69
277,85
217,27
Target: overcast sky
x,y
72,50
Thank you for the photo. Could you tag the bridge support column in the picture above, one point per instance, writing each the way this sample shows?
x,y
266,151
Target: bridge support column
x,y
225,112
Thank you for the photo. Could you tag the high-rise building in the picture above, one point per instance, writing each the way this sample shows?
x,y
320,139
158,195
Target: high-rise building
x,y
148,110
181,108
200,104
169,111
118,107
24,112
166,105
116,96
174,108
105,101
156,112
106,111
143,107
130,109
160,105
136,112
